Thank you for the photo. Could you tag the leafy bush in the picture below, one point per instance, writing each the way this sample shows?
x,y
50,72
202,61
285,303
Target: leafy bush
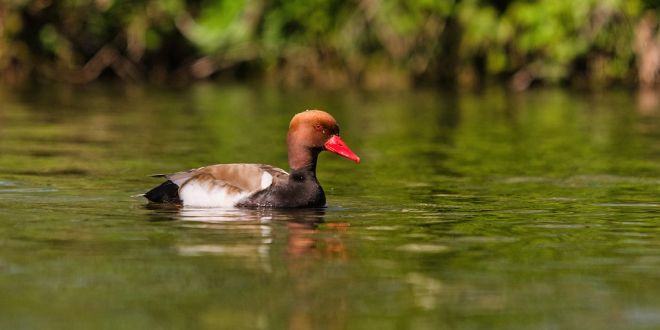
x,y
332,43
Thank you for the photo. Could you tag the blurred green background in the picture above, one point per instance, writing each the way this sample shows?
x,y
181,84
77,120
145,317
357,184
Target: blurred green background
x,y
333,43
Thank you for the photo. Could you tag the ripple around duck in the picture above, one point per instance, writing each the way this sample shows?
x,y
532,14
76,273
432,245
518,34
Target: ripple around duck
x,y
384,228
646,316
235,215
423,248
220,215
28,190
524,179
562,226
237,250
627,204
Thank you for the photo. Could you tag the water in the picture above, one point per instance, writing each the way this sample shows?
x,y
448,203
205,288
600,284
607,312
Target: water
x,y
484,210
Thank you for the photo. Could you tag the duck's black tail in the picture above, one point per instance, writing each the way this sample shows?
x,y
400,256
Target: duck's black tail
x,y
167,192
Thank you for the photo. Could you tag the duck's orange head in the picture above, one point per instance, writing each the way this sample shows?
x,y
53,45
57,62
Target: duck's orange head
x,y
316,129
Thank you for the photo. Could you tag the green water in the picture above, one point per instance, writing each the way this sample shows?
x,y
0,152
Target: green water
x,y
485,210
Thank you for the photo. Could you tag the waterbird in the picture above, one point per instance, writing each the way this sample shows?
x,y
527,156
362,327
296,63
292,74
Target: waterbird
x,y
257,185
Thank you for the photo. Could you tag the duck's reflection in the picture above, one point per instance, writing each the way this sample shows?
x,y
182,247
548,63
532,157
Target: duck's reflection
x,y
648,101
302,231
298,242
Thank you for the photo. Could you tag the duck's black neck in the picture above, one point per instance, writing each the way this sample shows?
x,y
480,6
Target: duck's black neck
x,y
303,159
302,174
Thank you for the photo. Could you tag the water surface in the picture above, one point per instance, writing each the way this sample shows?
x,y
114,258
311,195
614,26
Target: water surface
x,y
485,210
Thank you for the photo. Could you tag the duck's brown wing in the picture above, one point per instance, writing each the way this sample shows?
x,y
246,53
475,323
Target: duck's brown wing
x,y
246,177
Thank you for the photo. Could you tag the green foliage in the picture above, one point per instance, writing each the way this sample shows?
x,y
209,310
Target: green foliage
x,y
328,42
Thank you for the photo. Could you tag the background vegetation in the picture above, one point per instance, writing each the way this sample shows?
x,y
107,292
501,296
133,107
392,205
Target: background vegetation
x,y
332,43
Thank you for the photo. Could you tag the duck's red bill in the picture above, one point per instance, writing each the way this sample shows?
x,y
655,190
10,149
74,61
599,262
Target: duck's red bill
x,y
336,145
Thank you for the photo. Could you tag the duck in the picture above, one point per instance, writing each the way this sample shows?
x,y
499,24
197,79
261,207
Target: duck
x,y
258,185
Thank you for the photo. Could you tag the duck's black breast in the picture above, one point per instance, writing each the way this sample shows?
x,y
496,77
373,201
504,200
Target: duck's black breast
x,y
302,189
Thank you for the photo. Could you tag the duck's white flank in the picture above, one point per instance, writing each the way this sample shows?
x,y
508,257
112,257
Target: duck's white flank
x,y
205,194
266,180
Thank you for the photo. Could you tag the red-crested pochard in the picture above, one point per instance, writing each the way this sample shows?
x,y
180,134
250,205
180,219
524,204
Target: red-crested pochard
x,y
257,185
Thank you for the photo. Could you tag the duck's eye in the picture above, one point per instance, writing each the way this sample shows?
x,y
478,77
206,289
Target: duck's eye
x,y
318,127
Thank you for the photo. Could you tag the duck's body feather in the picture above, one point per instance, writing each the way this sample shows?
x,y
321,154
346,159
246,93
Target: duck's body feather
x,y
245,185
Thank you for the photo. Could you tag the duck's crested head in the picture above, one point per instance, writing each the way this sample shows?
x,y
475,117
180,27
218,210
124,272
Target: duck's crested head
x,y
318,130
317,119
312,128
